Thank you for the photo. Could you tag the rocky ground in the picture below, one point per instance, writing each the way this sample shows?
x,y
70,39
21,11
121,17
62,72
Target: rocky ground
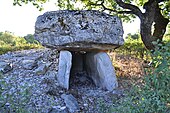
x,y
30,83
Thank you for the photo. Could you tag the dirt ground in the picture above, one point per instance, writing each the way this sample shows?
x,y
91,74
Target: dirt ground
x,y
129,70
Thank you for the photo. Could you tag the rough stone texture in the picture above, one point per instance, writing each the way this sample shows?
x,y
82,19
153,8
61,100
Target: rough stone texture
x,y
42,68
71,103
44,90
29,64
5,67
79,30
55,109
99,68
65,62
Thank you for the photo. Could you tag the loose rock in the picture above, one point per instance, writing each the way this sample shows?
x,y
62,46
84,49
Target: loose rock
x,y
29,64
71,103
5,67
58,110
42,68
88,96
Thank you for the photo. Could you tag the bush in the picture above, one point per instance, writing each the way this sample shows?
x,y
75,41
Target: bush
x,y
9,42
153,96
133,47
7,38
30,39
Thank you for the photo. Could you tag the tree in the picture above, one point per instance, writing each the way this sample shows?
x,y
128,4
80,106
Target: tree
x,y
133,36
152,13
30,38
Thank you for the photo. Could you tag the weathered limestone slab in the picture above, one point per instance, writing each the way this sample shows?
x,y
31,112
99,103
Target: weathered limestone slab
x,y
65,62
85,30
99,68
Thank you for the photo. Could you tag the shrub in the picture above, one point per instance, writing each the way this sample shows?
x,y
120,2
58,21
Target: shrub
x,y
133,47
7,38
9,42
30,39
153,96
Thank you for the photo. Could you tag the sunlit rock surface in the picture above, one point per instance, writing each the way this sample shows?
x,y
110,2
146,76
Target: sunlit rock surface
x,y
79,30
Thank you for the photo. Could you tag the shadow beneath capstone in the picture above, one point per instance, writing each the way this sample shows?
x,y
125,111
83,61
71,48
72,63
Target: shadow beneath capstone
x,y
79,77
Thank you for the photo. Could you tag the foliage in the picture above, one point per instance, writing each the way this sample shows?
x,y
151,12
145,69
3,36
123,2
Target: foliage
x,y
133,46
153,96
9,42
30,39
165,6
7,38
152,13
109,5
167,34
133,36
36,3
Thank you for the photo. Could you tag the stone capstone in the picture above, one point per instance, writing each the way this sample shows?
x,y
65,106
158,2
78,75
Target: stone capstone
x,y
85,30
65,62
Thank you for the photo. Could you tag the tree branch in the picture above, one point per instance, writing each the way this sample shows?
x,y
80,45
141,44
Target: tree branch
x,y
131,7
161,1
109,9
103,6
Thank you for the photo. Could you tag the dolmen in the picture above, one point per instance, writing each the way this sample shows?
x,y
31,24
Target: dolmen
x,y
83,39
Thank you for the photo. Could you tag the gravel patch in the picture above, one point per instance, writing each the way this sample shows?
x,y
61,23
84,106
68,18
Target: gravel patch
x,y
40,93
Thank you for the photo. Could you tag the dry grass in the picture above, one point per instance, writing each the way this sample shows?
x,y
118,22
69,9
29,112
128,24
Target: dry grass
x,y
129,70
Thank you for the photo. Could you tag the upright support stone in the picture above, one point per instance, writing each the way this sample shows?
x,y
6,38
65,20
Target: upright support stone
x,y
99,68
65,62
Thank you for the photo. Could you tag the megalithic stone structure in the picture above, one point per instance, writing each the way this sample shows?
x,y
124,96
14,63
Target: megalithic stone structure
x,y
99,68
89,31
64,68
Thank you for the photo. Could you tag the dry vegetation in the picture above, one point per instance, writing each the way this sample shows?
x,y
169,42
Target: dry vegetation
x,y
129,70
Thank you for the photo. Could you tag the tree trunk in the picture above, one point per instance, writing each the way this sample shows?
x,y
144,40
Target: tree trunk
x,y
152,16
145,31
147,21
160,24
